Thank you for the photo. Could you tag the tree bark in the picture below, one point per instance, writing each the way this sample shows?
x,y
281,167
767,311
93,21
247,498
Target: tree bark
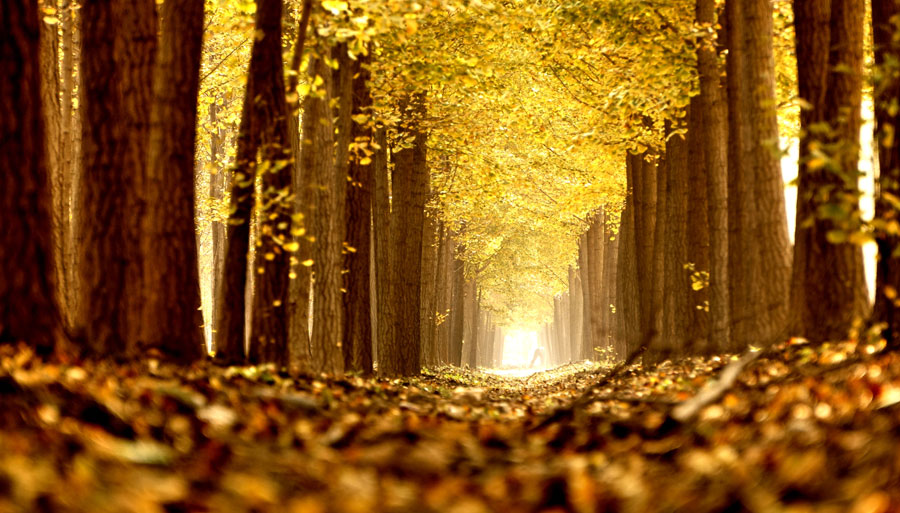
x,y
357,338
325,343
595,237
401,356
171,320
584,260
677,308
28,307
116,102
887,119
628,294
828,293
576,314
457,310
714,133
697,235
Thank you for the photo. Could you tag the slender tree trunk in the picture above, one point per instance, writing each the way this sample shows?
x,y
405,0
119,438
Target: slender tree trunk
x,y
171,319
715,136
628,295
595,261
887,118
697,235
70,166
325,343
677,308
457,311
828,293
428,286
576,314
584,261
28,307
357,308
217,194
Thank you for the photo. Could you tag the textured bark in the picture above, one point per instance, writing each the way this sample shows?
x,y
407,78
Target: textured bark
x,y
584,258
470,325
457,310
887,90
70,164
657,260
28,307
828,289
428,286
325,342
677,309
628,294
445,298
763,246
357,343
53,147
645,231
263,130
697,232
217,194
714,133
576,314
116,102
610,283
440,298
401,355
170,318
595,261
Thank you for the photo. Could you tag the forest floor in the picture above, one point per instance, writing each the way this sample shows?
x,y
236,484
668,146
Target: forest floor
x,y
801,429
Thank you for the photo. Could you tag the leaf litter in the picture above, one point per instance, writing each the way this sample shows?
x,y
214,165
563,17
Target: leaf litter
x,y
799,429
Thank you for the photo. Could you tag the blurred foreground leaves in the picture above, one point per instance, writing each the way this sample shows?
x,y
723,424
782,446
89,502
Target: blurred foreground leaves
x,y
803,429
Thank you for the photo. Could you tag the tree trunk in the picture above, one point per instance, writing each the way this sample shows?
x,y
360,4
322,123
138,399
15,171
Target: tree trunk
x,y
887,118
828,293
628,292
324,219
29,309
171,319
763,260
697,235
387,308
595,237
584,261
357,340
714,133
410,190
457,311
576,314
217,194
428,287
70,164
116,102
677,307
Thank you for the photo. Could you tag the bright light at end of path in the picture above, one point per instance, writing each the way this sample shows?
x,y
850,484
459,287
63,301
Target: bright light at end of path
x,y
518,348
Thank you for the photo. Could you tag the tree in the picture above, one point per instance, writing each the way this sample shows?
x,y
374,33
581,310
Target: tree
x,y
263,130
886,94
116,103
27,293
828,288
170,318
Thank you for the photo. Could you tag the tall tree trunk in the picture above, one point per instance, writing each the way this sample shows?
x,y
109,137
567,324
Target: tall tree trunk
x,y
116,102
645,230
715,136
657,262
576,314
697,234
325,343
401,355
470,325
677,308
628,292
29,309
357,340
217,194
595,236
584,261
828,291
457,310
428,286
71,154
887,118
387,308
763,258
610,265
171,318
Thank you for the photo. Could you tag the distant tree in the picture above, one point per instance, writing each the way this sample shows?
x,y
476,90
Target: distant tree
x,y
28,307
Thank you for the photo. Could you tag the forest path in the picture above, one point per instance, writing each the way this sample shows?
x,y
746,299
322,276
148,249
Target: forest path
x,y
802,425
